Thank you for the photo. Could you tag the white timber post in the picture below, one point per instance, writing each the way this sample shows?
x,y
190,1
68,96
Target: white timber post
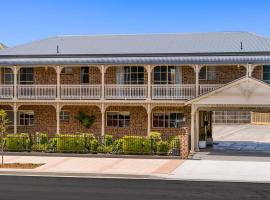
x,y
197,129
148,119
197,71
149,71
58,87
103,120
102,69
192,131
15,82
57,118
15,109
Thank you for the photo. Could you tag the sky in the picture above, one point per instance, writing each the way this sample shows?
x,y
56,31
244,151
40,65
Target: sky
x,y
23,21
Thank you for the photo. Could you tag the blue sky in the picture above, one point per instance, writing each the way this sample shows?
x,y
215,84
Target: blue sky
x,y
23,21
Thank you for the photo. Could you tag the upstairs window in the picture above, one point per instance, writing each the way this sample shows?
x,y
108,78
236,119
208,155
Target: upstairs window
x,y
7,76
266,73
26,76
130,75
208,73
84,75
167,75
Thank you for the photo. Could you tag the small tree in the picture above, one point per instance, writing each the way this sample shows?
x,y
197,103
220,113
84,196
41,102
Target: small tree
x,y
86,120
3,128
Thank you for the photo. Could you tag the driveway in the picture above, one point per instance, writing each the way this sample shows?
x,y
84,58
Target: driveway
x,y
252,138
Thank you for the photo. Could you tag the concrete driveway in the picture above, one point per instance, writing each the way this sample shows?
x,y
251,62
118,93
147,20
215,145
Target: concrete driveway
x,y
252,138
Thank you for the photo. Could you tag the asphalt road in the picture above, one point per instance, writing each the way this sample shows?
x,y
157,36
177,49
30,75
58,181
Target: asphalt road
x,y
49,188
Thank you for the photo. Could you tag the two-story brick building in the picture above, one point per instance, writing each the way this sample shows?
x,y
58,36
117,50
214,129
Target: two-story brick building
x,y
133,84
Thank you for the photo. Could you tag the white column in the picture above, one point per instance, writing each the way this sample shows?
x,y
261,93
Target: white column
x,y
57,118
149,70
58,87
192,131
197,71
148,119
15,84
102,82
197,130
15,109
102,120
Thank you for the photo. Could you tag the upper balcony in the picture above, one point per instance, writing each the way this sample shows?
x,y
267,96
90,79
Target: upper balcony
x,y
114,83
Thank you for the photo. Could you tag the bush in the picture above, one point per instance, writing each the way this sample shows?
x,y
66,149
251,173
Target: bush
x,y
117,146
155,138
91,143
108,140
136,144
52,144
174,142
104,149
42,138
162,147
70,143
17,142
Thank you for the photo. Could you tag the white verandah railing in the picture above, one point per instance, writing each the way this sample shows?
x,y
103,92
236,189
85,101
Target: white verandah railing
x,y
36,91
204,88
80,91
6,91
122,91
175,91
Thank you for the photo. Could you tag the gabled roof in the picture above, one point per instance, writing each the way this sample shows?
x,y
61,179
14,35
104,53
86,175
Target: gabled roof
x,y
2,46
243,91
186,43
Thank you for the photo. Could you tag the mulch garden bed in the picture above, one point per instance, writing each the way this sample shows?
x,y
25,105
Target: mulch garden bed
x,y
21,165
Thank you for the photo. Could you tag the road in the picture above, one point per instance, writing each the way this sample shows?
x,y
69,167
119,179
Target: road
x,y
50,188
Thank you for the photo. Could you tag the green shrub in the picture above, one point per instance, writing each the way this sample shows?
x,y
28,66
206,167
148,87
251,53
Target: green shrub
x,y
52,144
104,149
42,138
162,147
155,138
94,145
91,142
117,146
136,144
70,143
17,142
108,140
174,142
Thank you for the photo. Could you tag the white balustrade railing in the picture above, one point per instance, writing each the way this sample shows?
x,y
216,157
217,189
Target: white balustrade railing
x,y
175,91
204,88
80,91
125,91
36,91
6,91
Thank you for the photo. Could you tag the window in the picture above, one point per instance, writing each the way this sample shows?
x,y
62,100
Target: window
x,y
118,119
26,118
266,73
7,76
26,76
64,115
67,71
84,75
167,75
168,119
130,75
207,73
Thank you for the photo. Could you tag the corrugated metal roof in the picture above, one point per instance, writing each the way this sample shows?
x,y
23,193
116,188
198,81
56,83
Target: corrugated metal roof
x,y
141,60
212,42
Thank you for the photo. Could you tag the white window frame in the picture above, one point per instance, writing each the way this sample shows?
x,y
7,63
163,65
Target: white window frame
x,y
169,114
63,114
118,113
25,112
23,82
208,71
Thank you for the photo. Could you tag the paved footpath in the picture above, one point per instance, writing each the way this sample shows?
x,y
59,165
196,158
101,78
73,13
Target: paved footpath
x,y
95,165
